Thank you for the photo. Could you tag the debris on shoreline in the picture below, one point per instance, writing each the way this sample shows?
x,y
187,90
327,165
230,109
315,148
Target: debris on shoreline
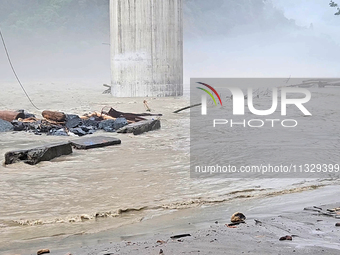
x,y
238,217
36,155
61,124
50,151
43,251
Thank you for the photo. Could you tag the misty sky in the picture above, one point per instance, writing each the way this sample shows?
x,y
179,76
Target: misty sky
x,y
282,52
281,45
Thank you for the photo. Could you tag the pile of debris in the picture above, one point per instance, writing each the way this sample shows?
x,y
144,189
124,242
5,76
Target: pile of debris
x,y
61,124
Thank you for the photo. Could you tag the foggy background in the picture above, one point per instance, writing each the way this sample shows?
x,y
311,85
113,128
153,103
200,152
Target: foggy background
x,y
67,40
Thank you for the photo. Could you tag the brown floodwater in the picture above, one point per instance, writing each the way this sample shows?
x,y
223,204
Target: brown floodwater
x,y
144,177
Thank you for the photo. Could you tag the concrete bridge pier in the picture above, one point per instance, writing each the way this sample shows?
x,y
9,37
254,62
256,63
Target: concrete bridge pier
x,y
146,48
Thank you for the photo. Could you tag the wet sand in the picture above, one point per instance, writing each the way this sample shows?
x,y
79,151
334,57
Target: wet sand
x,y
312,232
268,219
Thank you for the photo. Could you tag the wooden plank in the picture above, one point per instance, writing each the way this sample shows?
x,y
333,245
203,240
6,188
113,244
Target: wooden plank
x,y
94,142
141,127
36,155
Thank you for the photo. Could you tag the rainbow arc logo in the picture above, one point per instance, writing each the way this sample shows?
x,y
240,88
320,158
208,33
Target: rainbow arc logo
x,y
209,93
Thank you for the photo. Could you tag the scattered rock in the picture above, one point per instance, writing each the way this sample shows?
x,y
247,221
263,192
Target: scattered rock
x,y
43,251
73,121
161,251
58,132
283,238
91,122
107,125
238,217
78,131
5,126
18,125
120,122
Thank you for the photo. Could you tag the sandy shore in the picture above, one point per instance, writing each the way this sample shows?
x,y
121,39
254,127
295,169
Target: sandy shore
x,y
311,233
268,219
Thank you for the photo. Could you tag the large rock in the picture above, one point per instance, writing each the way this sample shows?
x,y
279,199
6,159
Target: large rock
x,y
119,123
141,127
36,155
94,142
73,121
107,125
5,126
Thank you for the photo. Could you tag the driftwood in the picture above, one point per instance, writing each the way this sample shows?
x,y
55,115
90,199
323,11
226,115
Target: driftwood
x,y
11,115
187,107
107,91
35,155
130,116
54,116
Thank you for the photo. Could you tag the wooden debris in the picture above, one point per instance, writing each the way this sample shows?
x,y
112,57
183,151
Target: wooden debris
x,y
36,155
54,116
129,116
334,209
43,251
146,106
187,107
179,236
107,91
94,142
283,238
11,115
141,127
28,120
230,226
234,223
337,224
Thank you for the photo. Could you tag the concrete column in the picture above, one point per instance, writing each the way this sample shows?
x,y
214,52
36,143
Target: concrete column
x,y
146,48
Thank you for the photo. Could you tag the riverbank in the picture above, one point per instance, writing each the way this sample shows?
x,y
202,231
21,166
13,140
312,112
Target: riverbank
x,y
268,219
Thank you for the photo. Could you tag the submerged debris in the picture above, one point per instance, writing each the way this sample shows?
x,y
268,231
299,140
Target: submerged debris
x,y
61,124
36,155
283,238
238,217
